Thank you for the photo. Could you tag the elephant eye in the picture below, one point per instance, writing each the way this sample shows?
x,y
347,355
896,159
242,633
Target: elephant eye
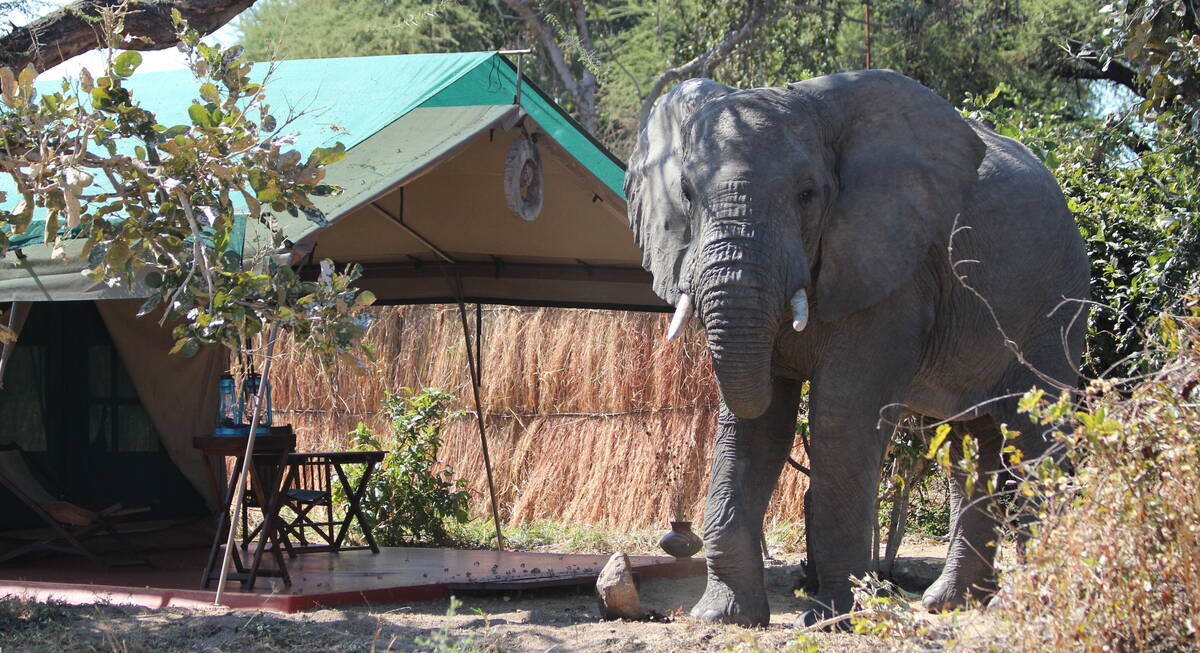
x,y
806,195
687,191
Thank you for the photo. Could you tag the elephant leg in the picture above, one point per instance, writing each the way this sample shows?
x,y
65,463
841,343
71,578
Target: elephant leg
x,y
748,457
853,410
969,574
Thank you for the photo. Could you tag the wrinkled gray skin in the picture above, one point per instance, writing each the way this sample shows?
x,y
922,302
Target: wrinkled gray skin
x,y
850,187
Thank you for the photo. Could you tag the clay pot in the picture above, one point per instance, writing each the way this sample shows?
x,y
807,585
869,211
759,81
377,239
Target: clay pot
x,y
681,542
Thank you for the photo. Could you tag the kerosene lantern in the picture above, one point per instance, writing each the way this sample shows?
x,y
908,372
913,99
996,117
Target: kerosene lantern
x,y
228,419
250,388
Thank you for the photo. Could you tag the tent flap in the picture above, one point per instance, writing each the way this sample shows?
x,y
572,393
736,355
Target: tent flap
x,y
178,393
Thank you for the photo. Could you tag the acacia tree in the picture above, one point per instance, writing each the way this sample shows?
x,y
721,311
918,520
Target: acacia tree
x,y
154,207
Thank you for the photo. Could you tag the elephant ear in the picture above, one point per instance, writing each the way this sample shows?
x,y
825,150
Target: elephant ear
x,y
657,211
906,164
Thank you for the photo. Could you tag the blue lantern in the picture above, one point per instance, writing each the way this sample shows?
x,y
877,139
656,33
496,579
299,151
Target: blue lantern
x,y
250,388
228,418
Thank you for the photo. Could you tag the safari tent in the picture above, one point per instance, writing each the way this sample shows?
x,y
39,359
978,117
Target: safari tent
x,y
435,144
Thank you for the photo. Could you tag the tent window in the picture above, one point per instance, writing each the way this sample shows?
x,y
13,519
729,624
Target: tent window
x,y
117,422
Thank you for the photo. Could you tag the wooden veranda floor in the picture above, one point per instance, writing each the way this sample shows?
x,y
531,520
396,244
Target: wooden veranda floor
x,y
318,579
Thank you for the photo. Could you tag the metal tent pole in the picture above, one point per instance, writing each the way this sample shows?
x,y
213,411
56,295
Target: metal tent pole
x,y
475,364
246,462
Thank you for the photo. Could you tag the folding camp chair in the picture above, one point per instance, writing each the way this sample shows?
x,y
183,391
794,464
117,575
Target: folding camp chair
x,y
310,499
69,522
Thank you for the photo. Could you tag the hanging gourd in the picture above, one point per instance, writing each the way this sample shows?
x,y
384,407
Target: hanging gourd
x,y
523,188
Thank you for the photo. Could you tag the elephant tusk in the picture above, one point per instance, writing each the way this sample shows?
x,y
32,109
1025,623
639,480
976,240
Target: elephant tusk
x,y
799,310
683,309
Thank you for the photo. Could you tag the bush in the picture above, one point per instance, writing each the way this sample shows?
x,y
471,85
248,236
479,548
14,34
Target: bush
x,y
1115,562
411,495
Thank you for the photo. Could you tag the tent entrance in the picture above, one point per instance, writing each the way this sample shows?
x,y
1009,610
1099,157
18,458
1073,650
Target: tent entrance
x,y
69,402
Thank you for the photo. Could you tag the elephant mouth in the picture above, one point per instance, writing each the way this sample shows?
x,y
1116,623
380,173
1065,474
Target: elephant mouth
x,y
741,341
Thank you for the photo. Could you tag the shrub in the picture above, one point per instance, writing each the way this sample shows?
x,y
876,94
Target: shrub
x,y
1114,563
411,495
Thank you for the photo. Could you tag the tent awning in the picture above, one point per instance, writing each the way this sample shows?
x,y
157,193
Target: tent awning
x,y
424,207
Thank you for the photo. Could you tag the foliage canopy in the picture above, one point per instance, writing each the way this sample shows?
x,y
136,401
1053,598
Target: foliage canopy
x,y
157,208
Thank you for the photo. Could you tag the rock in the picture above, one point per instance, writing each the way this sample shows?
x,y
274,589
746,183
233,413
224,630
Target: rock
x,y
916,574
617,593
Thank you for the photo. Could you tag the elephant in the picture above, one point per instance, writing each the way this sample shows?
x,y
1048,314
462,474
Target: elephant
x,y
856,232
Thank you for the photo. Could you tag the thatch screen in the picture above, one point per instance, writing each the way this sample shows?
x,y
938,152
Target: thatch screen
x,y
592,415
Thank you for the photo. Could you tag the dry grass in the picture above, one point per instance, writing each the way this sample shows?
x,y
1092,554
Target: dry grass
x,y
1116,565
592,415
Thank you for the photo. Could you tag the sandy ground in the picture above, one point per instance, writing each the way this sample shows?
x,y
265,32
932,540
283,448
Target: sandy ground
x,y
545,621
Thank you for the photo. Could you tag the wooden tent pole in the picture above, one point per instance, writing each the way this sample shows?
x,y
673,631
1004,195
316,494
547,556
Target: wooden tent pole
x,y
247,460
475,364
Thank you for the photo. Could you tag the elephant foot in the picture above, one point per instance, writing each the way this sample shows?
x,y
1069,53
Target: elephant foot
x,y
948,593
720,604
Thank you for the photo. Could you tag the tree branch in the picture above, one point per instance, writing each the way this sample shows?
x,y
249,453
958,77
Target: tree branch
x,y
545,37
1081,62
702,62
713,57
581,87
74,29
1115,72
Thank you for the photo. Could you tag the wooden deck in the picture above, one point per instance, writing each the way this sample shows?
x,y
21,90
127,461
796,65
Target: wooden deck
x,y
395,575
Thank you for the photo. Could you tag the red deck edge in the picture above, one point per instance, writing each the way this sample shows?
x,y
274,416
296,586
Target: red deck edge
x,y
151,597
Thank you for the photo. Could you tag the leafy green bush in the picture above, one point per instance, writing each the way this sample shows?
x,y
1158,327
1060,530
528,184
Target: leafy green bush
x,y
410,496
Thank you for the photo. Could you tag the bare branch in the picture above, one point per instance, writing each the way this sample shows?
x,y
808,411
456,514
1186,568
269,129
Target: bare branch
x,y
701,63
583,86
713,57
74,29
545,36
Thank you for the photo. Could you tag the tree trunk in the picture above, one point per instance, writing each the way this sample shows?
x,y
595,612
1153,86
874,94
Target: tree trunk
x,y
76,28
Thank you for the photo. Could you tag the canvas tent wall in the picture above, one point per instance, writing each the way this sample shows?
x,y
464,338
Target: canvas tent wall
x,y
424,211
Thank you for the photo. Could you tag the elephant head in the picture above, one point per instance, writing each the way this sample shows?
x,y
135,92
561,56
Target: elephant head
x,y
750,203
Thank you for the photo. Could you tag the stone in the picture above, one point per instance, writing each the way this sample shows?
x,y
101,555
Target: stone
x,y
916,574
616,591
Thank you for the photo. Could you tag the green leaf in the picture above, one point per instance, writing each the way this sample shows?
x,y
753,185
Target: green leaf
x,y
365,298
126,63
327,155
209,92
118,253
150,304
8,85
190,348
200,116
100,97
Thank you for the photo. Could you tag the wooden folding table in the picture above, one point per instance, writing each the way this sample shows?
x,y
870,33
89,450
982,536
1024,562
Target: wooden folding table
x,y
266,472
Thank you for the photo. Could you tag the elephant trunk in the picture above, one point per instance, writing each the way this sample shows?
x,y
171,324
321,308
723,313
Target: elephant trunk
x,y
743,303
741,356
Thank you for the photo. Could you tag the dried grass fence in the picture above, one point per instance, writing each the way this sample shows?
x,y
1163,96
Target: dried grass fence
x,y
592,416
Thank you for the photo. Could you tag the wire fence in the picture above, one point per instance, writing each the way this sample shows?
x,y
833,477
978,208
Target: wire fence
x,y
471,413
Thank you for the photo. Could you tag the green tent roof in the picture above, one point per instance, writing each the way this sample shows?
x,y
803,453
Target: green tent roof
x,y
400,117
350,99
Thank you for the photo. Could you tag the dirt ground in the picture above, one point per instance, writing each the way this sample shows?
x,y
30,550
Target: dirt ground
x,y
545,621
